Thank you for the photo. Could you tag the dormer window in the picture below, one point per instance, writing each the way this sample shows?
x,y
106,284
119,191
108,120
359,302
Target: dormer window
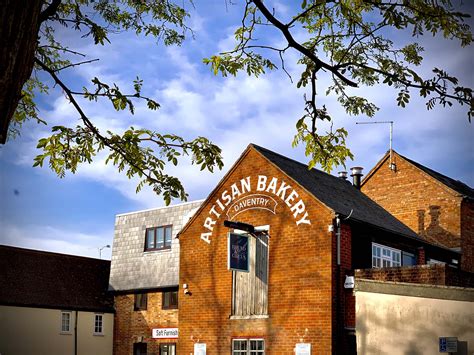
x,y
158,238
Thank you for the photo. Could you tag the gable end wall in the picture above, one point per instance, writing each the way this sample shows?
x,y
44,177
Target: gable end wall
x,y
423,204
300,287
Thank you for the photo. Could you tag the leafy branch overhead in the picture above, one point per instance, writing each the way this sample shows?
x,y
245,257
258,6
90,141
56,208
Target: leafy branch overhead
x,y
349,41
137,152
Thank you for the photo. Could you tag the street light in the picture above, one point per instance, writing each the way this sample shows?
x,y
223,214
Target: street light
x,y
100,250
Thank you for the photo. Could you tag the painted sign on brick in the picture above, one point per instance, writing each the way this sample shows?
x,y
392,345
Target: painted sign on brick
x,y
266,191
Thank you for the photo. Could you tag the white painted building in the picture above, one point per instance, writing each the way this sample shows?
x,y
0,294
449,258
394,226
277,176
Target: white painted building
x,y
54,304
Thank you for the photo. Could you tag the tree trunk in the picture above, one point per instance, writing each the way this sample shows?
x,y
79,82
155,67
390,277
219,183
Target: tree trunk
x,y
19,26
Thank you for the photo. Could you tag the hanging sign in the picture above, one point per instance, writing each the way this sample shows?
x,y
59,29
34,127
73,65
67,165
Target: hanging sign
x,y
238,252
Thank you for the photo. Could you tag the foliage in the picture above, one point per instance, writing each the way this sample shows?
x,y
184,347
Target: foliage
x,y
138,152
349,41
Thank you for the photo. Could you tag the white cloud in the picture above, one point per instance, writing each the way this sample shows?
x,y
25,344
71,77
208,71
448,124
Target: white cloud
x,y
236,111
58,240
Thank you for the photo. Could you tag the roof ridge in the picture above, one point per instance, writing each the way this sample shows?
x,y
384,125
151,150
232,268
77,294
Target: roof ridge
x,y
293,160
337,194
45,252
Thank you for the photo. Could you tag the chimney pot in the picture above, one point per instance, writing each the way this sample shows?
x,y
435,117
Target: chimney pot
x,y
356,176
343,175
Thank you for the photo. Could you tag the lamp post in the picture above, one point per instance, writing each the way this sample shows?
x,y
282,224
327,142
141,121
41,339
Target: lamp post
x,y
100,250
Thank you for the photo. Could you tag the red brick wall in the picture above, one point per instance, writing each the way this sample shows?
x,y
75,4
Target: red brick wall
x,y
300,275
420,256
345,301
130,324
467,233
419,201
421,274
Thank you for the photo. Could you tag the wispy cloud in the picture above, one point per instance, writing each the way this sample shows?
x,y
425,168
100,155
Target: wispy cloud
x,y
51,238
233,112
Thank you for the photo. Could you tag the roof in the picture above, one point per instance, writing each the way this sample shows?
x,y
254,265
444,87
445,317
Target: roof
x,y
338,194
453,184
33,278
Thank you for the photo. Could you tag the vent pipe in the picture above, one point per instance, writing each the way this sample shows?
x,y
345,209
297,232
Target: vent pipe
x,y
343,175
356,176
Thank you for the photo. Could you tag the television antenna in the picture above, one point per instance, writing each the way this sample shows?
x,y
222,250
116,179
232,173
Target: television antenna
x,y
392,165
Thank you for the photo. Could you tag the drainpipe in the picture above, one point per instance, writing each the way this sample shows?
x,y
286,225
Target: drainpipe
x,y
75,333
338,284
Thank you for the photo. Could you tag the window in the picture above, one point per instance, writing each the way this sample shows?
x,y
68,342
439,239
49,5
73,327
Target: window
x,y
141,300
139,349
248,346
250,289
170,300
65,322
408,259
383,256
98,324
168,349
158,238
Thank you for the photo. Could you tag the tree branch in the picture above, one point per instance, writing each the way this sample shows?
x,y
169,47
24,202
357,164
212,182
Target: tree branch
x,y
296,45
76,64
49,11
89,124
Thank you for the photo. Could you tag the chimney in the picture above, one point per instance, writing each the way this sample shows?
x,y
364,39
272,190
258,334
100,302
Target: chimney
x,y
356,176
342,175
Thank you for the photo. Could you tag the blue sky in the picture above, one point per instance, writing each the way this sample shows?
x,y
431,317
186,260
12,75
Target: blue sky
x,y
76,214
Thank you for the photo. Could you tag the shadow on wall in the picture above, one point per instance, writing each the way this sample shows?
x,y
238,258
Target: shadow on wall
x,y
434,232
417,332
133,328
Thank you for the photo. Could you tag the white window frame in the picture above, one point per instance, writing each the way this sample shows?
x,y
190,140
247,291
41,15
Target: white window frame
x,y
101,324
248,351
61,324
389,257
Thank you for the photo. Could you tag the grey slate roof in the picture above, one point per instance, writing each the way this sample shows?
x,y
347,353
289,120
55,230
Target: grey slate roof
x,y
33,278
455,185
338,194
135,269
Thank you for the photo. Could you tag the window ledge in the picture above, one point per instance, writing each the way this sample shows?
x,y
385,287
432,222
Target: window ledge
x,y
155,251
65,333
254,316
98,334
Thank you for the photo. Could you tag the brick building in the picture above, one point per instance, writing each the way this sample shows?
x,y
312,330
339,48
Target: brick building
x,y
54,304
438,208
313,230
144,279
